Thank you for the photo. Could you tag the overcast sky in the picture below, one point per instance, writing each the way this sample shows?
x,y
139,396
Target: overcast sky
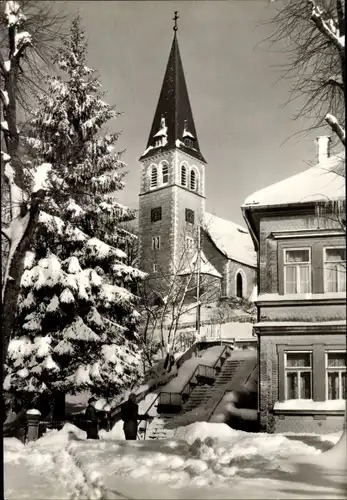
x,y
232,78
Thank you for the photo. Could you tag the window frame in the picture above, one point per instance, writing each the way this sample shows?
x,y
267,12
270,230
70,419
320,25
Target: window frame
x,y
189,211
195,188
189,242
166,167
156,243
297,370
334,369
309,263
339,247
185,169
151,184
154,211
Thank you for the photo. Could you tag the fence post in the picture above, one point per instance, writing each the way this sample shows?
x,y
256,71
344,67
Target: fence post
x,y
33,420
107,410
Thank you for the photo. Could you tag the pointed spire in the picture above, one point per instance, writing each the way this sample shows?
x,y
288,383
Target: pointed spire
x,y
173,109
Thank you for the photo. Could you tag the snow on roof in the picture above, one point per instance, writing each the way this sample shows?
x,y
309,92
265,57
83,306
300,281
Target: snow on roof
x,y
163,129
231,239
323,182
205,267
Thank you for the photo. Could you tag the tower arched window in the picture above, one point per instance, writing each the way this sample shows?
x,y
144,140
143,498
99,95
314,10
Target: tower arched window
x,y
154,177
165,173
183,175
193,180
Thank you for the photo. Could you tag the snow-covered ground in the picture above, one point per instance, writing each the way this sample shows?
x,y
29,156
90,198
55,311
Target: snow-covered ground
x,y
204,460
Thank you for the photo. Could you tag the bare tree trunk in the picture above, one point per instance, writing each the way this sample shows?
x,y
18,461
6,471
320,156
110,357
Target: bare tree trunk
x,y
12,285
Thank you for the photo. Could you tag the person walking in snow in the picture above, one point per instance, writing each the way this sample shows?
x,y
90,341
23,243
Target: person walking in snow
x,y
92,420
130,416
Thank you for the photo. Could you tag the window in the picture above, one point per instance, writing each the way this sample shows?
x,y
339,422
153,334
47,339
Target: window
x,y
156,243
297,270
193,180
165,174
189,242
183,175
188,142
239,286
155,268
336,375
334,269
298,375
155,214
154,177
189,215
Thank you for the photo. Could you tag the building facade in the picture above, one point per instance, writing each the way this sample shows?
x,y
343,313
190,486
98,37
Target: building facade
x,y
176,235
298,226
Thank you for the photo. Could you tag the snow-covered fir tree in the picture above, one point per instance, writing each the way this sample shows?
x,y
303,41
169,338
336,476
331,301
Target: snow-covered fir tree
x,y
77,318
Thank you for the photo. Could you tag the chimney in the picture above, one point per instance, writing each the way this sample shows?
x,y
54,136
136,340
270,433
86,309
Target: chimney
x,y
323,147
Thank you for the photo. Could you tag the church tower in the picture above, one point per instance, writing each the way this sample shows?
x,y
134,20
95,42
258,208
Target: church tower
x,y
172,194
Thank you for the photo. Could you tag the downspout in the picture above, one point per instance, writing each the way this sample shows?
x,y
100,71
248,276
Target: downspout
x,y
245,213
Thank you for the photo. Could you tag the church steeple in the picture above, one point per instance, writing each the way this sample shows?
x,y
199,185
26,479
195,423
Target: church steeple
x,y
173,124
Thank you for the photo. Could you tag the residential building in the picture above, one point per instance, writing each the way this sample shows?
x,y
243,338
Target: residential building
x,y
298,227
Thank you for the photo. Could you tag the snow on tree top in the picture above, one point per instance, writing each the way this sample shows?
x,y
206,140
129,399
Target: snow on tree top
x,y
322,182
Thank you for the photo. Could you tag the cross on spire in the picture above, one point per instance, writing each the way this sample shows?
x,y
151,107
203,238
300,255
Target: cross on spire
x,y
175,28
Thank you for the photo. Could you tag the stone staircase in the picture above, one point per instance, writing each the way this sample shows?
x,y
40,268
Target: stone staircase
x,y
159,428
198,408
205,399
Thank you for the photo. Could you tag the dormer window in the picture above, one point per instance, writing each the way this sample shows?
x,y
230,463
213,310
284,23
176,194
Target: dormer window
x,y
188,142
188,137
161,136
154,177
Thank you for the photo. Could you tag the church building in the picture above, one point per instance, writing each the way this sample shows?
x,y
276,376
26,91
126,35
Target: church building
x,y
177,237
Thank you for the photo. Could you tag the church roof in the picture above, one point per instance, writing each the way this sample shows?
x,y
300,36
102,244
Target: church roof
x,y
173,118
205,267
322,182
231,239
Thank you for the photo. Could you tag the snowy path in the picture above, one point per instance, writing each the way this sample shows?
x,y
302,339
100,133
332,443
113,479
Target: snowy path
x,y
63,465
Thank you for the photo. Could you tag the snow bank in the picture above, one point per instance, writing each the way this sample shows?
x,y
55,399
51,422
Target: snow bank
x,y
204,430
68,433
213,461
116,433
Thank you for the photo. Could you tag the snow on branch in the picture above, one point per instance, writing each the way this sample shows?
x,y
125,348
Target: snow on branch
x,y
13,14
328,28
22,40
336,127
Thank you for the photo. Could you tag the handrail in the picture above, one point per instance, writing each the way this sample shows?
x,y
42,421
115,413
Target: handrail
x,y
216,405
150,406
196,370
221,354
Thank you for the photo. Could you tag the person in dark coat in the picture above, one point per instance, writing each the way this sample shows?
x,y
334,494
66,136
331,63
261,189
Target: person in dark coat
x,y
92,420
130,416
